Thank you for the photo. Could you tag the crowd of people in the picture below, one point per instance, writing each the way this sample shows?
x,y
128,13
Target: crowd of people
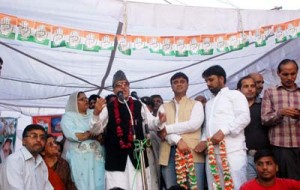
x,y
247,139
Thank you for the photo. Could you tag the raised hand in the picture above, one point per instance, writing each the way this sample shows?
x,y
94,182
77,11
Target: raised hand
x,y
99,105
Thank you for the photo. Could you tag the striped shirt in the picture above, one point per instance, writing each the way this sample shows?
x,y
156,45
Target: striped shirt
x,y
284,131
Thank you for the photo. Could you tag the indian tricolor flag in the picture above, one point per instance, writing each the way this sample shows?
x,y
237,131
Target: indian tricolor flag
x,y
41,34
124,43
194,45
291,29
259,37
235,41
206,45
7,26
26,28
181,46
280,34
268,31
245,38
74,39
167,43
59,37
139,42
106,41
91,42
221,42
154,44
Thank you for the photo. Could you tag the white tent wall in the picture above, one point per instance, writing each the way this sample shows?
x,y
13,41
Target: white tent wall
x,y
46,78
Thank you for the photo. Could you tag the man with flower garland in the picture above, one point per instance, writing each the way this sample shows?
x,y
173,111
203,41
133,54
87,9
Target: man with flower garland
x,y
180,134
123,124
227,114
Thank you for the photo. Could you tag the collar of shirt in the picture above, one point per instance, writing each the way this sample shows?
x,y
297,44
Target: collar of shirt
x,y
174,100
280,86
27,156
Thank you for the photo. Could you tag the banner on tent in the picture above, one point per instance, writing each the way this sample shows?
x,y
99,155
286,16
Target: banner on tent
x,y
21,29
8,131
51,123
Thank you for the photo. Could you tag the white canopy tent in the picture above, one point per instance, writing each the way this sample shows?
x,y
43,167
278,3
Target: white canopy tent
x,y
37,79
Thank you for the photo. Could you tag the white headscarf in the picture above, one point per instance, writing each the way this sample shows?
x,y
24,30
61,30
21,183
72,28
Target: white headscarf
x,y
72,103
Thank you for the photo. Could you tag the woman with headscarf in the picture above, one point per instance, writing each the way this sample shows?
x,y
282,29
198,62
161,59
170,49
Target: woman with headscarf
x,y
84,154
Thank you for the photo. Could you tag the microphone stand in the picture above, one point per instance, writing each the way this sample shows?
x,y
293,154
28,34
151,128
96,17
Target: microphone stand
x,y
139,147
131,119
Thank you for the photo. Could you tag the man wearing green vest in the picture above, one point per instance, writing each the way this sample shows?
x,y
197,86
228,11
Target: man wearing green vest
x,y
180,134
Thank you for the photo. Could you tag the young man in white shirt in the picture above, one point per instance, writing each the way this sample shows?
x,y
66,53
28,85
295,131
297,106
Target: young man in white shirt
x,y
227,114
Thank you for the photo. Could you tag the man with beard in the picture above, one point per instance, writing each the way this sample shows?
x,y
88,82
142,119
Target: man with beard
x,y
227,115
267,168
25,168
280,111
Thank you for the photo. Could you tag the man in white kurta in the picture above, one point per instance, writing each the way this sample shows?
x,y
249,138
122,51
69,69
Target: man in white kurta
x,y
227,114
122,166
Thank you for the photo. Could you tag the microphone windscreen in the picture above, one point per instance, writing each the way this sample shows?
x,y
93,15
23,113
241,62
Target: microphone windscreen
x,y
134,94
120,96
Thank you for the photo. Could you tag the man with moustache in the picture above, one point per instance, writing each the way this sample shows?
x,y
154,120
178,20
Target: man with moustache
x,y
25,168
280,111
122,125
226,116
267,168
180,134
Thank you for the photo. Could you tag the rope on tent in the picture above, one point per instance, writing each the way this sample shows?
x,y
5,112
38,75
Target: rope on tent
x,y
47,64
252,63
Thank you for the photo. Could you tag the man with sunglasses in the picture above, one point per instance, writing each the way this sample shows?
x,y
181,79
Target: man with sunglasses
x,y
25,168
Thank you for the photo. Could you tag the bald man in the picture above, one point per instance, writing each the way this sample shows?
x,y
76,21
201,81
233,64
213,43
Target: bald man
x,y
259,82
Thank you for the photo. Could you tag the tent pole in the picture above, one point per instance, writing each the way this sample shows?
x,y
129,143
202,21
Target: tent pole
x,y
112,58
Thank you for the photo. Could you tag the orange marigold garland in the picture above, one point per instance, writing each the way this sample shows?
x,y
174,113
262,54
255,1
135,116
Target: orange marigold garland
x,y
228,182
185,170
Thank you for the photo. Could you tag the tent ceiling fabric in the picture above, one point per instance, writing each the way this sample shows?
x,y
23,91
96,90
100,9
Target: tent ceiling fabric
x,y
28,83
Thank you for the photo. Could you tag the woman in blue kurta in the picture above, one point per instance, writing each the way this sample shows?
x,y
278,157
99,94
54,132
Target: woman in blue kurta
x,y
85,155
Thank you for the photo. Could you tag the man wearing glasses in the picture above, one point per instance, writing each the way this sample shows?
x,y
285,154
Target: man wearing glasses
x,y
123,121
25,168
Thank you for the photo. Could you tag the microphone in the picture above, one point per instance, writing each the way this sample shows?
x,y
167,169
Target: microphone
x,y
134,94
120,96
